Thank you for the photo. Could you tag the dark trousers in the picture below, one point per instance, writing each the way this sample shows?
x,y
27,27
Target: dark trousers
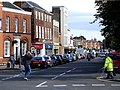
x,y
109,75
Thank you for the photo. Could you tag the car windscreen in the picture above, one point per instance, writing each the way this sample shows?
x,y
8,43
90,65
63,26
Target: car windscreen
x,y
37,58
46,58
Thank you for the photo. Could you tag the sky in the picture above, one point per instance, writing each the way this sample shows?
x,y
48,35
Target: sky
x,y
80,14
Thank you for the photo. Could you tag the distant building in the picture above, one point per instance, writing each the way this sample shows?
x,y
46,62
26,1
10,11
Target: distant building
x,y
56,37
60,13
88,44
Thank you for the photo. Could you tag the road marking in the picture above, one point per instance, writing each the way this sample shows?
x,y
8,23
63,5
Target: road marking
x,y
59,85
44,86
39,85
54,77
114,85
78,85
69,71
62,74
94,85
11,77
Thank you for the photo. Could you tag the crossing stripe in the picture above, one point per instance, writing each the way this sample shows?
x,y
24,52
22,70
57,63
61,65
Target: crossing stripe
x,y
94,85
114,85
78,85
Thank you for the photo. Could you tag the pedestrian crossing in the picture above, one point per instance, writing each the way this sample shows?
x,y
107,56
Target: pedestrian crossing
x,y
80,85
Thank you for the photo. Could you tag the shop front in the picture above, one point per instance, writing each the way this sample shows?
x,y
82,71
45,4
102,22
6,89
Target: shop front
x,y
56,49
37,49
48,49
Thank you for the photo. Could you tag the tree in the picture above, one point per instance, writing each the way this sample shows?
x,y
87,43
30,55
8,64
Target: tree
x,y
108,14
80,37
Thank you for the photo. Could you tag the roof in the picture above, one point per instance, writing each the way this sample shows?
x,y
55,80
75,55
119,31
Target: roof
x,y
10,5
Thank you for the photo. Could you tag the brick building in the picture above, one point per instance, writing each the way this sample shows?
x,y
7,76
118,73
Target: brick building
x,y
88,44
16,31
41,26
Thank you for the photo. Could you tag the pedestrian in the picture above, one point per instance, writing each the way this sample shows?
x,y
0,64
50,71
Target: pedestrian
x,y
108,67
89,56
27,60
12,60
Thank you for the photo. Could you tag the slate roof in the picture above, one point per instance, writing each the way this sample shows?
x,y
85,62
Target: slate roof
x,y
10,5
32,4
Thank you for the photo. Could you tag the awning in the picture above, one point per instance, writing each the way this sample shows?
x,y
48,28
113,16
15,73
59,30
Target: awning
x,y
38,46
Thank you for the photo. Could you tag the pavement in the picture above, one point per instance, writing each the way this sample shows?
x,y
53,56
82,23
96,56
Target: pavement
x,y
5,67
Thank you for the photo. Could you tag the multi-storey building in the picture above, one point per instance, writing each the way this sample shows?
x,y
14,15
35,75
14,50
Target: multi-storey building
x,y
55,37
16,31
41,26
61,14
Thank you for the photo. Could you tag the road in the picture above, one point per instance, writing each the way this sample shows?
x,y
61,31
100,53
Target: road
x,y
78,75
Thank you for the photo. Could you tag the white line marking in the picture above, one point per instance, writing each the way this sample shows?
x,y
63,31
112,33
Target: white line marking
x,y
44,86
10,77
98,85
69,71
62,74
54,77
59,85
78,85
114,85
73,68
39,85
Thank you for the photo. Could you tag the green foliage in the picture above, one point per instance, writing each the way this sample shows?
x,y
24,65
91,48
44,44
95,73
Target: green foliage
x,y
80,37
108,14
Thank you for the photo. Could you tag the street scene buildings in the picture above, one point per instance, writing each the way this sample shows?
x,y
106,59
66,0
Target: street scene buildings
x,y
24,25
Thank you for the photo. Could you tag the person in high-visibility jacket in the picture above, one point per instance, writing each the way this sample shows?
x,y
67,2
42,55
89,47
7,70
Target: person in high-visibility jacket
x,y
108,65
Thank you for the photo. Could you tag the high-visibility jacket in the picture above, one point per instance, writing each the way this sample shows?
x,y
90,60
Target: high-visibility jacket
x,y
108,64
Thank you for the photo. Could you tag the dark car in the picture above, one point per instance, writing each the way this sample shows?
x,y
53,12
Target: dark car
x,y
59,59
38,62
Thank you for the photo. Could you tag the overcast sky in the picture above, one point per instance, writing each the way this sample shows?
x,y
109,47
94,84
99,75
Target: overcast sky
x,y
80,14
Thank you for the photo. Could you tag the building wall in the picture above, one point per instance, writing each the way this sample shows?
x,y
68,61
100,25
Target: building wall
x,y
56,37
1,35
12,34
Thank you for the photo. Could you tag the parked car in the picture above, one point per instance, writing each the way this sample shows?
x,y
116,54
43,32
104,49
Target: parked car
x,y
53,57
116,60
70,57
59,59
38,62
50,62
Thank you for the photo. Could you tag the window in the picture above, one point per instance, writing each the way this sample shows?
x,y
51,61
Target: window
x,y
50,18
39,15
7,48
45,17
45,33
24,48
36,14
39,31
42,32
24,26
42,17
50,34
16,25
7,24
36,31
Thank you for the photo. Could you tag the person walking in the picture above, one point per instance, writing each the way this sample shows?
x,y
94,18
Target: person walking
x,y
12,60
108,67
27,60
